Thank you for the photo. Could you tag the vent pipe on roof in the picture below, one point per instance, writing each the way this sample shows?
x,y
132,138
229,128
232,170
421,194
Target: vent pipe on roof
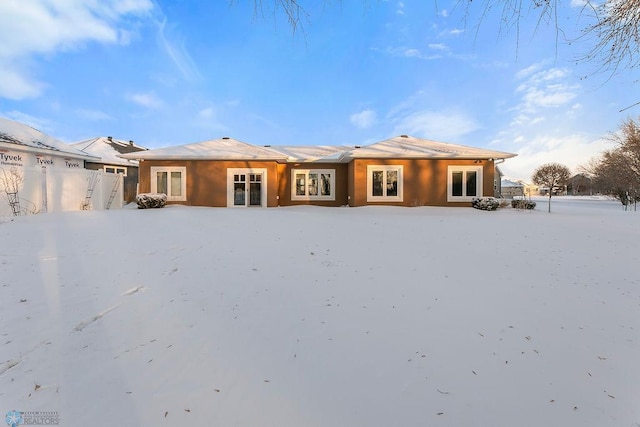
x,y
404,136
358,146
225,137
131,142
110,139
267,146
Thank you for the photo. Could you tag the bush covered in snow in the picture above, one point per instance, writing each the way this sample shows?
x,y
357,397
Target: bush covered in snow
x,y
485,203
151,200
523,204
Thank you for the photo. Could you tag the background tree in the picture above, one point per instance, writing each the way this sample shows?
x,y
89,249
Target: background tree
x,y
617,171
552,176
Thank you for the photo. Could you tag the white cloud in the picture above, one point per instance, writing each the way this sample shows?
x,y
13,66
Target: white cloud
x,y
95,115
446,126
16,84
570,150
364,119
412,52
43,27
177,51
542,128
526,72
148,100
438,46
209,118
206,113
542,90
408,52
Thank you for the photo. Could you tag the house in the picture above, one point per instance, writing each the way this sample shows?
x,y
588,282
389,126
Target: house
x,y
107,150
580,185
23,146
400,171
511,189
39,173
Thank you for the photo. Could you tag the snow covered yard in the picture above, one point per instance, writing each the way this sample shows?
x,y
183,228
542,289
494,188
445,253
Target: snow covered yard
x,y
324,316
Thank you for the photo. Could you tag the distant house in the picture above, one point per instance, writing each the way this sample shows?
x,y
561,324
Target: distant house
x,y
511,189
107,150
580,185
400,171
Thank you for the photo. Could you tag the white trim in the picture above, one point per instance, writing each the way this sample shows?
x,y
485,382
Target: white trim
x,y
115,168
385,168
464,169
306,172
238,171
169,169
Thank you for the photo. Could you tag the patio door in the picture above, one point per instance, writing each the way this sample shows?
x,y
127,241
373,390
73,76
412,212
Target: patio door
x,y
246,188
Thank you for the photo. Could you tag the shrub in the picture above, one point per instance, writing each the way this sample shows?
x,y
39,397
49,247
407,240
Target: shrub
x,y
523,204
151,200
485,203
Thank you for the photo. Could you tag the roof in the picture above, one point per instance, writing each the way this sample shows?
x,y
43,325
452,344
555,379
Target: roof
x,y
399,147
224,148
506,183
315,154
409,147
108,149
26,137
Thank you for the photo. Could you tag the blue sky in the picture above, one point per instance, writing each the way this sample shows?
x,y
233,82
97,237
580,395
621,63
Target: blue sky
x,y
163,73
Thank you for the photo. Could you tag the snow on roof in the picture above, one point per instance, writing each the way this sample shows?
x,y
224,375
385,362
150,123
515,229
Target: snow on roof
x,y
20,134
108,149
399,147
405,146
224,148
505,183
316,154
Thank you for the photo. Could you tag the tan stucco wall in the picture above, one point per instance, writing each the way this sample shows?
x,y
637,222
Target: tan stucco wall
x,y
284,188
207,179
424,181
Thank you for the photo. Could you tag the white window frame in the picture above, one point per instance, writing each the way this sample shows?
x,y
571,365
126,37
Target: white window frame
x,y
247,171
464,169
384,168
118,169
169,169
306,172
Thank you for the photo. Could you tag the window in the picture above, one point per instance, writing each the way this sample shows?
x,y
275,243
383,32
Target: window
x,y
116,169
171,181
384,183
464,183
313,184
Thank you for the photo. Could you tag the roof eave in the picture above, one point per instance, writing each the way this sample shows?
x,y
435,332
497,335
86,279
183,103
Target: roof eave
x,y
132,156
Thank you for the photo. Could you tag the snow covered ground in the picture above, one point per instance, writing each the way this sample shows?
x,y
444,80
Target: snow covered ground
x,y
308,316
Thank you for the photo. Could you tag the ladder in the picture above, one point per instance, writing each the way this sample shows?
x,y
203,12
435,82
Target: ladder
x,y
92,181
14,202
114,189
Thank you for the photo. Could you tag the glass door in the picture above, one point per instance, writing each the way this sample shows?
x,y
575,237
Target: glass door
x,y
255,189
247,189
239,189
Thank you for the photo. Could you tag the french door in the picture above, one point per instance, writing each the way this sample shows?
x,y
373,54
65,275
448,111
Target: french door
x,y
246,188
